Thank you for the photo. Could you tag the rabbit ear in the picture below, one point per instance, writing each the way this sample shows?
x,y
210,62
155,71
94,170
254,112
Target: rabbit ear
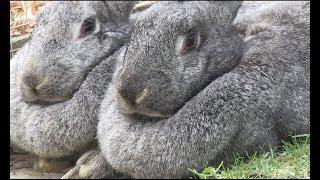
x,y
121,9
232,6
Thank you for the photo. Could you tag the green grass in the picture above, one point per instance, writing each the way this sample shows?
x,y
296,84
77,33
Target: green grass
x,y
292,161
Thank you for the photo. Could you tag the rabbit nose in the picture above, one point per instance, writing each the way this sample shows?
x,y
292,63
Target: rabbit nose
x,y
139,99
33,83
131,96
127,89
30,81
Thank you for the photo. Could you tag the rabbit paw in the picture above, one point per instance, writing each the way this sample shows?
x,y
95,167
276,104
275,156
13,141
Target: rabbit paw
x,y
91,165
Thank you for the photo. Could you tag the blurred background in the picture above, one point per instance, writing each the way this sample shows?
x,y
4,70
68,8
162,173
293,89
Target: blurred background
x,y
22,20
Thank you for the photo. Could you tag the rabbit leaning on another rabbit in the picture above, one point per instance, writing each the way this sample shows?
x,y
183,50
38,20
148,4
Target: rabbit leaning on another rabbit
x,y
190,92
59,77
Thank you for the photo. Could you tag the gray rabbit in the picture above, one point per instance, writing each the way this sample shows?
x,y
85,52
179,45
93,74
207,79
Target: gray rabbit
x,y
59,77
193,88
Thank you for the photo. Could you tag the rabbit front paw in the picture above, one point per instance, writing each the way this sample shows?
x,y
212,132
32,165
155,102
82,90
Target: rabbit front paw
x,y
91,165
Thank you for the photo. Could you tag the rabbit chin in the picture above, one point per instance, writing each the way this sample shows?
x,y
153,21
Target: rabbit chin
x,y
46,101
36,99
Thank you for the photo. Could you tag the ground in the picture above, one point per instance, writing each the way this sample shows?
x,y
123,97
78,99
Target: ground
x,y
292,161
21,168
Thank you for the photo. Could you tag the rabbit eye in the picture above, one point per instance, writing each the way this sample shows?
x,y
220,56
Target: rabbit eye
x,y
87,27
191,41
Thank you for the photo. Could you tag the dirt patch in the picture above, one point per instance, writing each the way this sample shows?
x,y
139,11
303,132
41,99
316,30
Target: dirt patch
x,y
21,167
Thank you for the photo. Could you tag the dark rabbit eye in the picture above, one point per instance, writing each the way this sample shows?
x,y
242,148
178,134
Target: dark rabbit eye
x,y
191,41
87,27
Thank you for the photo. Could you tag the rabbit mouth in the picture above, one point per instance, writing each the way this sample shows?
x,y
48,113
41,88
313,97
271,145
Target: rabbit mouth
x,y
142,111
149,112
32,96
128,108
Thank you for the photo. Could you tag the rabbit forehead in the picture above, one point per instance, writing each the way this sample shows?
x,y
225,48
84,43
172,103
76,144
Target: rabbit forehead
x,y
62,19
168,22
164,26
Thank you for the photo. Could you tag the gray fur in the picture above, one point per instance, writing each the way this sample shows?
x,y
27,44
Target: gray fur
x,y
60,119
250,96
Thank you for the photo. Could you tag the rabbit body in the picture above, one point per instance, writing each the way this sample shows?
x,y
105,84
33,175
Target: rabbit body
x,y
58,79
166,110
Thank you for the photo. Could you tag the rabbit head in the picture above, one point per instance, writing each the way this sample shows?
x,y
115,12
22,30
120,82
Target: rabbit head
x,y
175,50
69,39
